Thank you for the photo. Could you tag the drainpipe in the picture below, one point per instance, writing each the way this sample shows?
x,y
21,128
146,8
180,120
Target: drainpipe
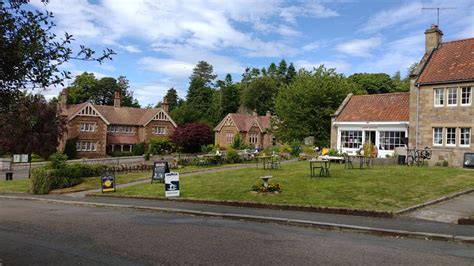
x,y
417,115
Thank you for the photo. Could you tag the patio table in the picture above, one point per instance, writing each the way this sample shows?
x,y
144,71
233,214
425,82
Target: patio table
x,y
324,166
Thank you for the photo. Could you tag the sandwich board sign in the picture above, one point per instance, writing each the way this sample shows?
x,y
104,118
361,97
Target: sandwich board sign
x,y
107,181
16,158
160,168
172,184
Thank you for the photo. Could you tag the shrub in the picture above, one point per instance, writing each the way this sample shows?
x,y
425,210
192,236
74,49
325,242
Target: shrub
x,y
207,148
139,149
70,149
445,163
233,156
285,147
238,142
57,161
272,187
160,145
190,137
295,148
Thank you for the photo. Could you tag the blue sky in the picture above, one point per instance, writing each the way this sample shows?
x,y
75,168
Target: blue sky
x,y
159,42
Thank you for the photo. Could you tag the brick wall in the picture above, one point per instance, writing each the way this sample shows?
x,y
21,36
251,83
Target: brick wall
x,y
149,129
445,116
99,135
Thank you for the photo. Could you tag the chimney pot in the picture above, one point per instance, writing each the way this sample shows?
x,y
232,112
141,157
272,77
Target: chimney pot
x,y
254,113
165,105
433,38
117,99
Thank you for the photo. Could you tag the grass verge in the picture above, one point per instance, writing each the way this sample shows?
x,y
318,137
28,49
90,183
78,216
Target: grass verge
x,y
14,186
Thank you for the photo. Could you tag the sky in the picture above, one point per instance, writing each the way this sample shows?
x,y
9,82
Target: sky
x,y
158,42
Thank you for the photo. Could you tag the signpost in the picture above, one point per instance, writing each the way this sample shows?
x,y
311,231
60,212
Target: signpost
x,y
16,158
160,168
107,181
172,184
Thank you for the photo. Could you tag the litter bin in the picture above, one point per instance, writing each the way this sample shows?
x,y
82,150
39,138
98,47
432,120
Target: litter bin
x,y
402,159
9,176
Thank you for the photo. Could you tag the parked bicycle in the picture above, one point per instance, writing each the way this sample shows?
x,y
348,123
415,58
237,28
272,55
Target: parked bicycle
x,y
418,157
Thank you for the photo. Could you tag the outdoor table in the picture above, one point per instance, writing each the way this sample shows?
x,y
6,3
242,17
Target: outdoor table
x,y
363,161
324,167
262,159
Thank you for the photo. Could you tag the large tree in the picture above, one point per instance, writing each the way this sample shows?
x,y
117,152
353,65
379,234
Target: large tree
x,y
173,100
30,53
373,82
190,137
260,93
304,107
31,126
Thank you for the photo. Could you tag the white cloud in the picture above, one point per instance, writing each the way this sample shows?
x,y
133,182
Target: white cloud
x,y
169,67
339,65
312,46
391,17
359,47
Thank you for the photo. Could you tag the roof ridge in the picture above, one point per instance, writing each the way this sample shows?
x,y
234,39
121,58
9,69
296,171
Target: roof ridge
x,y
460,40
379,94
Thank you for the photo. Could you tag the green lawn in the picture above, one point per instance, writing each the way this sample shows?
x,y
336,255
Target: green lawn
x,y
19,185
385,188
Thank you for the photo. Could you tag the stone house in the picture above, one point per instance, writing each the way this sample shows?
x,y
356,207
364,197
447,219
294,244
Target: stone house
x,y
101,130
381,119
441,109
253,129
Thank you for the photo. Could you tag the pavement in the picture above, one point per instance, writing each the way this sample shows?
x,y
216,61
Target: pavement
x,y
448,211
41,233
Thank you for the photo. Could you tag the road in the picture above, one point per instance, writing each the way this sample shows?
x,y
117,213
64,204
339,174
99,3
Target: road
x,y
50,234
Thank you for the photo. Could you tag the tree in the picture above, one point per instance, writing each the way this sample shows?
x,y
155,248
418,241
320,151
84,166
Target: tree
x,y
190,137
373,82
282,69
82,88
31,126
172,96
200,92
226,99
126,99
30,52
398,83
304,107
203,71
259,94
272,70
290,74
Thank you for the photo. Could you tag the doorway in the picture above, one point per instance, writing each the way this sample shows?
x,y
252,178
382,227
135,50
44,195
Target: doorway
x,y
370,136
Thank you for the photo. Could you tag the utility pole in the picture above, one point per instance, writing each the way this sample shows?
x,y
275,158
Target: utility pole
x,y
437,9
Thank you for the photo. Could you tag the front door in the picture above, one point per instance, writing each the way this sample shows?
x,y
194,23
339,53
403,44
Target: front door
x,y
370,137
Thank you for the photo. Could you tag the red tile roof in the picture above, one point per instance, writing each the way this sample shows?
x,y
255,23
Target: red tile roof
x,y
376,107
450,62
244,122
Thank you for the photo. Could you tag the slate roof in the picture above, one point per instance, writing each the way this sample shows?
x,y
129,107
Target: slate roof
x,y
450,62
244,122
118,116
376,107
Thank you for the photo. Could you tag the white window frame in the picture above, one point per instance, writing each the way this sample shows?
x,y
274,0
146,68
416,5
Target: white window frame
x,y
438,91
435,136
112,129
230,137
462,135
448,138
125,129
78,146
159,131
449,94
354,137
86,146
389,138
253,138
87,127
469,98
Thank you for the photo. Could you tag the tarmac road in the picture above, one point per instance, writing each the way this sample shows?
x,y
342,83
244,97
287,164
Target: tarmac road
x,y
44,234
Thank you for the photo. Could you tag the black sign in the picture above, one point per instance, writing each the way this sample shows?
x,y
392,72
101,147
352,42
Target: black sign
x,y
159,170
107,181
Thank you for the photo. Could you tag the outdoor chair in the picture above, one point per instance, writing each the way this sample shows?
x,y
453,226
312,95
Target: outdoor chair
x,y
348,162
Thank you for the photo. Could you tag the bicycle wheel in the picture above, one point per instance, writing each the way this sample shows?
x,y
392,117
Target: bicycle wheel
x,y
410,160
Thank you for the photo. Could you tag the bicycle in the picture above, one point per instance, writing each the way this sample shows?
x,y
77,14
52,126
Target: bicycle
x,y
414,156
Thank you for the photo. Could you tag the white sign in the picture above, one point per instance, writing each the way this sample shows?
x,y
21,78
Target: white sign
x,y
16,158
24,158
172,184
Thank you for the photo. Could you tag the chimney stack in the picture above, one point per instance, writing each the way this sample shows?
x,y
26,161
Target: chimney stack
x,y
254,113
268,114
433,38
117,99
63,99
164,104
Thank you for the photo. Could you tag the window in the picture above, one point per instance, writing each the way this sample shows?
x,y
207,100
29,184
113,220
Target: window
x,y
229,137
466,96
86,146
159,131
87,127
451,136
438,136
113,129
465,137
389,140
127,129
253,138
452,96
439,97
351,139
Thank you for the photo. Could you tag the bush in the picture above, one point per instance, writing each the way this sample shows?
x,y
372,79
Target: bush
x,y
57,161
207,148
272,187
160,145
233,156
70,149
122,154
238,142
285,147
139,149
190,137
295,148
45,179
445,163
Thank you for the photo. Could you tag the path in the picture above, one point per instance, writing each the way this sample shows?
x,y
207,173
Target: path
x,y
449,211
